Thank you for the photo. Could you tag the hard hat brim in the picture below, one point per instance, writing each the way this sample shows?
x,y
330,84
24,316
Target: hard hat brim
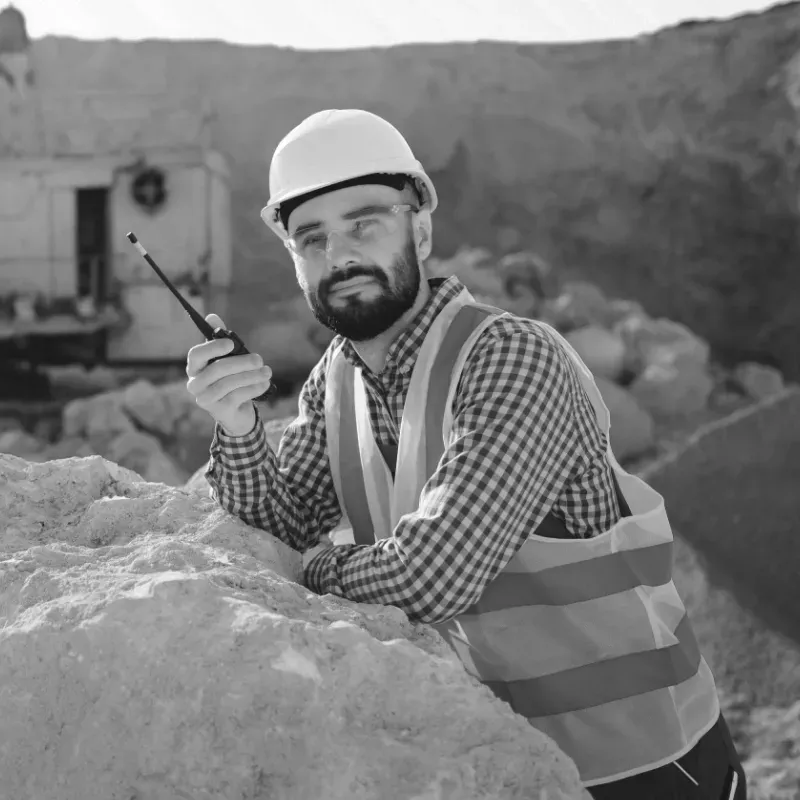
x,y
269,212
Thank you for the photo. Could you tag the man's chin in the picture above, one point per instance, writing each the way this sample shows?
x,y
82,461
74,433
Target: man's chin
x,y
361,331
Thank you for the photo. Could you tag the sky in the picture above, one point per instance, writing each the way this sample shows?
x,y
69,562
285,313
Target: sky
x,y
347,24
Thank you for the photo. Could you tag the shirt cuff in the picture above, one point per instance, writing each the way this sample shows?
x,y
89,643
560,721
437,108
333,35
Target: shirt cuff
x,y
321,574
241,452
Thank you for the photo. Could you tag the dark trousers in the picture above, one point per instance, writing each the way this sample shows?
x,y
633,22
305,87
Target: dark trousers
x,y
712,763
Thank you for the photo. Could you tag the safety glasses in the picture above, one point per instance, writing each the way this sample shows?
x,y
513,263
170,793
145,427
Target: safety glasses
x,y
370,227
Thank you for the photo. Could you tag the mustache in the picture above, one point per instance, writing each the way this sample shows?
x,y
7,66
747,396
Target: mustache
x,y
350,274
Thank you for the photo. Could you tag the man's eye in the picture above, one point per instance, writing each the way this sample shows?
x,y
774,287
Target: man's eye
x,y
312,240
365,225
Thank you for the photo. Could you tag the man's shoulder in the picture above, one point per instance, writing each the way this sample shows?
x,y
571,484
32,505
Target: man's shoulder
x,y
522,331
517,351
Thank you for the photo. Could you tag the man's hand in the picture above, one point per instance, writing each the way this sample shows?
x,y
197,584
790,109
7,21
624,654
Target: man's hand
x,y
226,388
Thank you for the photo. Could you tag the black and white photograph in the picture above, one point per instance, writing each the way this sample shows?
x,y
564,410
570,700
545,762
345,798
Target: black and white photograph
x,y
399,401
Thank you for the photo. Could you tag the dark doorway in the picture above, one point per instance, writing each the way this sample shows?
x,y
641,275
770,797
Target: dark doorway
x,y
92,243
91,251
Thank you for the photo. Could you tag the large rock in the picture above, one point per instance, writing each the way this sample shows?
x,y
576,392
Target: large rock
x,y
662,342
632,427
156,430
18,442
474,267
757,672
154,647
601,350
732,492
528,280
772,736
10,424
580,304
143,454
620,311
673,389
155,409
530,270
99,419
191,438
758,381
749,658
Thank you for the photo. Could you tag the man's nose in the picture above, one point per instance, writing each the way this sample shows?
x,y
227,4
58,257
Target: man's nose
x,y
339,250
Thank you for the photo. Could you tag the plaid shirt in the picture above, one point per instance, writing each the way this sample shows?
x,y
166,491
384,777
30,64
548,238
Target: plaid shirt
x,y
524,441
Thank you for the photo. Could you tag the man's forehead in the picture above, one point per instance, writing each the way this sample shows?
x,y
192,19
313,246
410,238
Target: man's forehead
x,y
332,206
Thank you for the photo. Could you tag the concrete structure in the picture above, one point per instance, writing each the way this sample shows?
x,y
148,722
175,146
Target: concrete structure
x,y
78,170
63,221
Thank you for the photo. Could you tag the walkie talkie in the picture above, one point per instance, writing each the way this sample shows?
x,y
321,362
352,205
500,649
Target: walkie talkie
x,y
210,333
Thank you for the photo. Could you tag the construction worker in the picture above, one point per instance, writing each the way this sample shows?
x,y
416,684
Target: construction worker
x,y
468,449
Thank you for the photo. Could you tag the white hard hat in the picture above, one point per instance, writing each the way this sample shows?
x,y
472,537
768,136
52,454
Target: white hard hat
x,y
337,145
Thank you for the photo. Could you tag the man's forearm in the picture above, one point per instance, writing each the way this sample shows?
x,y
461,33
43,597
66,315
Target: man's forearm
x,y
245,480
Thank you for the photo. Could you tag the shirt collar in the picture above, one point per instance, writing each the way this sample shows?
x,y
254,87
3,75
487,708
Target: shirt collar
x,y
402,354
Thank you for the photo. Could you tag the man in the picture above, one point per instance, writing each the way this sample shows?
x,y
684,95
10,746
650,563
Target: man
x,y
468,450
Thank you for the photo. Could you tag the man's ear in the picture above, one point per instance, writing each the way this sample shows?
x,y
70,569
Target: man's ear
x,y
423,234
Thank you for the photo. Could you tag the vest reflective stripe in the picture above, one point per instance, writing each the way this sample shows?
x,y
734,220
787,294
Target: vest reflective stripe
x,y
375,475
638,733
343,453
579,582
587,638
567,636
415,460
600,682
467,322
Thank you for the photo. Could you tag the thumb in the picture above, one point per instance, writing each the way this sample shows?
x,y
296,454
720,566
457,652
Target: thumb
x,y
214,321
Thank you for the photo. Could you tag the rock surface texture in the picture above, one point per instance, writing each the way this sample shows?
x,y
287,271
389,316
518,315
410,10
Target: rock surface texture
x,y
732,491
153,647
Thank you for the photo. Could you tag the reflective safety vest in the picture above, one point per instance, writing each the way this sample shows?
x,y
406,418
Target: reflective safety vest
x,y
587,638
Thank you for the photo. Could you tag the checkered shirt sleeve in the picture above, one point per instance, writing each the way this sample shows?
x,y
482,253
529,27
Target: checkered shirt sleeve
x,y
524,441
289,493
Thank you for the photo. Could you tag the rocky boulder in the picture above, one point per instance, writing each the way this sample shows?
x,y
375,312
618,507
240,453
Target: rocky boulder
x,y
771,737
474,267
758,381
601,350
18,440
580,304
670,365
154,647
632,427
749,659
156,430
528,280
673,389
731,490
662,341
731,495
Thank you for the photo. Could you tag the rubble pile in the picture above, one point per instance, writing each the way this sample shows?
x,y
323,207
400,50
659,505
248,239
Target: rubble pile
x,y
656,376
158,431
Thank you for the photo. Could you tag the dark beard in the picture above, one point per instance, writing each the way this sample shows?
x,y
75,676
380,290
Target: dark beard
x,y
361,320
